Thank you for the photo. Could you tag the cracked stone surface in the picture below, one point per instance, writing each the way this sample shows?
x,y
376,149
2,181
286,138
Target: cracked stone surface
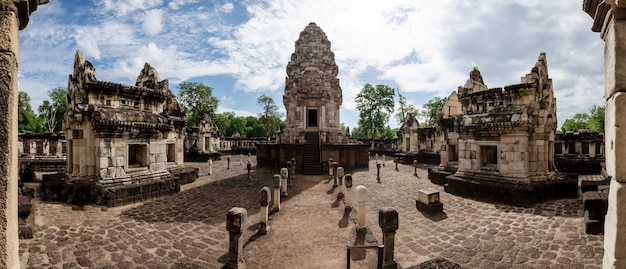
x,y
312,229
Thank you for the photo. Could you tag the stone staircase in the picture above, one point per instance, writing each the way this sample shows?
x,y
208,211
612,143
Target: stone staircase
x,y
311,164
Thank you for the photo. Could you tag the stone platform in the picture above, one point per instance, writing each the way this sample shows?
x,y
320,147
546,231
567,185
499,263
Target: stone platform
x,y
312,229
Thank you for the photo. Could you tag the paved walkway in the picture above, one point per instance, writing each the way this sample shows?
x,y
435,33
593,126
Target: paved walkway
x,y
188,229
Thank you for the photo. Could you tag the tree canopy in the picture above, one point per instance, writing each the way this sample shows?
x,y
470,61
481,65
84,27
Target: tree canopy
x,y
430,110
375,104
404,109
583,121
52,111
270,117
27,121
198,99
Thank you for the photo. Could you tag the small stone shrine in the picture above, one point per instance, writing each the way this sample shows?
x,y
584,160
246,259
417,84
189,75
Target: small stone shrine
x,y
500,145
124,141
203,142
312,100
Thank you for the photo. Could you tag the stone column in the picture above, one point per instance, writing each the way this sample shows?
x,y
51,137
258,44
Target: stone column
x,y
289,169
415,168
276,183
249,167
330,168
264,201
235,224
383,160
283,181
348,191
610,21
361,199
14,16
240,159
378,172
210,167
293,169
228,162
388,222
335,166
340,179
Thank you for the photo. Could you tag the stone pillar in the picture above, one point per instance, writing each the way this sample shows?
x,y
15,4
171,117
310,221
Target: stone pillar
x,y
249,167
264,202
210,167
376,158
340,179
235,224
228,161
415,168
283,181
293,169
383,160
335,165
276,183
240,159
388,222
330,168
378,172
289,169
348,191
610,21
14,16
361,199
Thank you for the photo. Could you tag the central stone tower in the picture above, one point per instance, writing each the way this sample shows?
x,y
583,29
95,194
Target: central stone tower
x,y
312,93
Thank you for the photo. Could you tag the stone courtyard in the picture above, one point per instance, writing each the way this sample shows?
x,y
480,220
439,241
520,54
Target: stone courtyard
x,y
312,230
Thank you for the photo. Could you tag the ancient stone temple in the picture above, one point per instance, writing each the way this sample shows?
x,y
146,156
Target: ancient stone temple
x,y
312,93
121,134
312,100
407,134
500,144
203,142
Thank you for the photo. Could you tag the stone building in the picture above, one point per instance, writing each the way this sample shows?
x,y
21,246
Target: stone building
x,y
203,141
121,134
312,93
312,100
500,144
407,135
579,152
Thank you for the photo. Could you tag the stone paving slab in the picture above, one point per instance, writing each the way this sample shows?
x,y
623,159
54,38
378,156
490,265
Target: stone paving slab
x,y
312,229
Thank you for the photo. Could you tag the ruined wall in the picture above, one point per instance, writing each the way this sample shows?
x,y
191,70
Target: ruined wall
x,y
581,152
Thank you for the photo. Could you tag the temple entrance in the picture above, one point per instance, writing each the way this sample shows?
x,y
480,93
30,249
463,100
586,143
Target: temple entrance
x,y
311,118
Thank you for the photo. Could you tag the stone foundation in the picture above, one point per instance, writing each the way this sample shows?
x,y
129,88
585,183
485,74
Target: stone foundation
x,y
507,192
55,187
26,217
349,156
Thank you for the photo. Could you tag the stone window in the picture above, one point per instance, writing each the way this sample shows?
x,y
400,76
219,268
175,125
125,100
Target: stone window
x,y
558,148
571,148
64,148
598,148
585,148
489,155
137,155
26,146
108,102
77,134
52,148
453,154
171,152
39,148
207,144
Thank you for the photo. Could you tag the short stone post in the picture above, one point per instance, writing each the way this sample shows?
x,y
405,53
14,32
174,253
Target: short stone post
x,y
293,168
384,159
249,167
335,164
348,191
235,224
396,161
388,222
340,179
249,156
228,160
264,202
376,158
240,159
378,172
289,168
330,168
415,168
276,182
284,172
210,167
361,199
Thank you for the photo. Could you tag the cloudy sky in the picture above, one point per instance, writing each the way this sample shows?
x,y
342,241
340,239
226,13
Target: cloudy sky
x,y
241,48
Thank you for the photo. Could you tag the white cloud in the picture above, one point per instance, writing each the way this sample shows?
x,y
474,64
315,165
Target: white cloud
x,y
227,8
123,7
177,4
153,21
238,112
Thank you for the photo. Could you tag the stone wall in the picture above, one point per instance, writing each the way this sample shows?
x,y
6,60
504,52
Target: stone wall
x,y
349,156
581,152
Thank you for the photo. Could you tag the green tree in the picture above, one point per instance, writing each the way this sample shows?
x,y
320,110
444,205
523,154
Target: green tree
x,y
254,127
596,119
431,109
404,109
578,122
27,121
270,117
375,104
198,99
223,122
52,111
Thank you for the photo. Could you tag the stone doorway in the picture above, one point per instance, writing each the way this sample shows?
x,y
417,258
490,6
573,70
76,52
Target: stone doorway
x,y
311,116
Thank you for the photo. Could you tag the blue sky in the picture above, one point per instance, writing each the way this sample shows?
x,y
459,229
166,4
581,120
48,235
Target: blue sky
x,y
241,48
